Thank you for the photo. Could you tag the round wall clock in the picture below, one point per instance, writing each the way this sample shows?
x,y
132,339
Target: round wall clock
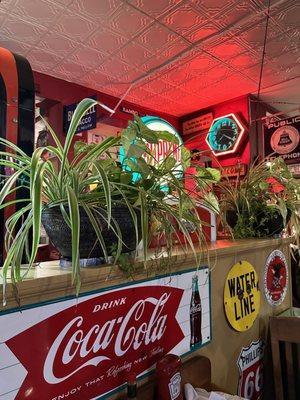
x,y
225,135
285,139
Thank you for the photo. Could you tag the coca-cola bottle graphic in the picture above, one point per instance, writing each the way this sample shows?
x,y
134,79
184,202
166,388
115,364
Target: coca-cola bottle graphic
x,y
195,314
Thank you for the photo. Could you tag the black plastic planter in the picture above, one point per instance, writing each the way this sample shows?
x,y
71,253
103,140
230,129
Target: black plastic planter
x,y
60,233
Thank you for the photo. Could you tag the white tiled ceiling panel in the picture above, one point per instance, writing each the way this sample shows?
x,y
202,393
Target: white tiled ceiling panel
x,y
176,56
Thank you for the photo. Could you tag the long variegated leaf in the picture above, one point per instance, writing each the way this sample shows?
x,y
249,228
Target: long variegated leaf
x,y
106,188
79,112
97,230
75,230
9,183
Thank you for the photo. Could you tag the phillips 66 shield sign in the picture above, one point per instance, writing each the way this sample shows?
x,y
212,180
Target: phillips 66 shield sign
x,y
250,364
84,348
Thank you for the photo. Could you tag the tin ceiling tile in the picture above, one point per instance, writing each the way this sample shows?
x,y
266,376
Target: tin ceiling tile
x,y
130,76
244,60
64,3
75,27
174,49
129,21
7,5
96,77
14,46
41,12
140,92
18,29
184,19
114,67
88,57
227,50
156,37
95,9
70,69
57,44
155,8
107,41
288,14
134,54
200,63
202,33
40,58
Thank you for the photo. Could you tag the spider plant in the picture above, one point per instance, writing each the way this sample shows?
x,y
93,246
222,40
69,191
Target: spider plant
x,y
268,190
69,189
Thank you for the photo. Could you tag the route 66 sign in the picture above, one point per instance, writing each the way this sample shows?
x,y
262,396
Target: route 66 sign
x,y
250,364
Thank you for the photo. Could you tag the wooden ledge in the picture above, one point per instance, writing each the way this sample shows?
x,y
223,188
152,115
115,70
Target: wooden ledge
x,y
49,281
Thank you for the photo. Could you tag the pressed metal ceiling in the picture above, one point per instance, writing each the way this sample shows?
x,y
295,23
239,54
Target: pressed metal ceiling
x,y
176,56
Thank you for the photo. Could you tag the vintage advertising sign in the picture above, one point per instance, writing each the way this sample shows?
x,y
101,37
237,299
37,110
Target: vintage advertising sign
x,y
201,123
282,138
276,278
88,121
159,151
241,296
250,364
234,170
84,348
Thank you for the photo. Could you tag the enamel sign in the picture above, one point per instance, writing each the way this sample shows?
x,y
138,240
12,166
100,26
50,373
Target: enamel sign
x,y
84,348
241,296
250,365
276,278
87,122
198,124
282,138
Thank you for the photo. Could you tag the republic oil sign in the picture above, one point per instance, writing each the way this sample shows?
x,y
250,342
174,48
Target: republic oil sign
x,y
84,348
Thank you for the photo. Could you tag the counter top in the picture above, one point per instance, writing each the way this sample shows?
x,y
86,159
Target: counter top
x,y
48,281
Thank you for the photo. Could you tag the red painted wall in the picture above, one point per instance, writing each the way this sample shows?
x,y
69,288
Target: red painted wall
x,y
238,106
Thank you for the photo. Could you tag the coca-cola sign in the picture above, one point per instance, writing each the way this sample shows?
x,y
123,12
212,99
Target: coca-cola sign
x,y
85,348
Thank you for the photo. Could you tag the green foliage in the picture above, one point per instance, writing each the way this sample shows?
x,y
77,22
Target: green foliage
x,y
267,191
94,180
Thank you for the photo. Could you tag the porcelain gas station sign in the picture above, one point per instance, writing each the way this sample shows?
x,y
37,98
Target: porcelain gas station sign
x,y
241,296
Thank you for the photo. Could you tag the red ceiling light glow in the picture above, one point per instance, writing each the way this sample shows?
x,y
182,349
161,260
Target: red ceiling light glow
x,y
225,135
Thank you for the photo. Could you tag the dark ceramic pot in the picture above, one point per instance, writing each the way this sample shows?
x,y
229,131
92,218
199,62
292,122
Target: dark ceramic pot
x,y
60,233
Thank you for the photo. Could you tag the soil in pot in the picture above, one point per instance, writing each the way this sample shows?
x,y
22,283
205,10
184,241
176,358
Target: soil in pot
x,y
60,233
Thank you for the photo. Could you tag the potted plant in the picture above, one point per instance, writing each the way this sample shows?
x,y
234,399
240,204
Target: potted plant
x,y
168,208
261,203
88,196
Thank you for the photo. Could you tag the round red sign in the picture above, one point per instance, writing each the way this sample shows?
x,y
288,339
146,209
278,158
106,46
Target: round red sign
x,y
276,278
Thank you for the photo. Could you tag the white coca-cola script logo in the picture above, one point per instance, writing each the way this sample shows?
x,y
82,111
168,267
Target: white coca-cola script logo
x,y
195,309
124,333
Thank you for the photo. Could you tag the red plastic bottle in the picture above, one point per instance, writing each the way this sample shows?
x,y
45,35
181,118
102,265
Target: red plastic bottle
x,y
169,378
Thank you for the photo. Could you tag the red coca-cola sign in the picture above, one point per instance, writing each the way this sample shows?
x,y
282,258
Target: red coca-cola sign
x,y
88,349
